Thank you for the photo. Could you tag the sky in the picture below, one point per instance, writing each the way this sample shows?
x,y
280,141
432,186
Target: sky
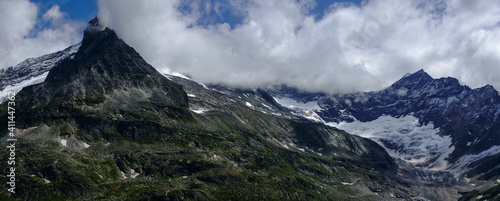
x,y
315,45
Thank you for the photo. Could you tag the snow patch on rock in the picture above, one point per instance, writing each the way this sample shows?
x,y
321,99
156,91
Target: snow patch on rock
x,y
307,110
199,110
133,174
249,105
64,142
293,104
17,87
168,73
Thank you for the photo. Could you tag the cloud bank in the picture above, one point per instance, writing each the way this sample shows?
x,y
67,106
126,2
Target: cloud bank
x,y
25,32
256,42
351,48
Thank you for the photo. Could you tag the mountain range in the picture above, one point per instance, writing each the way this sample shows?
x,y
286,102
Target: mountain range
x,y
97,122
434,124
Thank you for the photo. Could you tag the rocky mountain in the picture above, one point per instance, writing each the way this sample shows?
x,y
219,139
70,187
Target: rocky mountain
x,y
437,126
105,125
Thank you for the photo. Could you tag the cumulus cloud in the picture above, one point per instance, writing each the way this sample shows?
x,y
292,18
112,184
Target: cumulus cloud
x,y
25,34
350,48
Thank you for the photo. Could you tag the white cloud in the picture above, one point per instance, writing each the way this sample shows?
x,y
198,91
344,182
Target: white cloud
x,y
276,43
350,48
54,15
23,36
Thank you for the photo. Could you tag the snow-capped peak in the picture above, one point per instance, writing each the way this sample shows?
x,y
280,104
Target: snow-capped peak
x,y
31,71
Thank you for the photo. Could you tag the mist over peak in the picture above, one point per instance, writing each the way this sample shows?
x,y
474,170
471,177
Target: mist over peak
x,y
94,26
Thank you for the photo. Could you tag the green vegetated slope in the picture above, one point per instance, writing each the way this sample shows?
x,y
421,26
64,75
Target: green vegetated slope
x,y
492,194
105,125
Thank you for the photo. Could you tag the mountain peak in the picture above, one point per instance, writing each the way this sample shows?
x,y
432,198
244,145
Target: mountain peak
x,y
488,89
418,78
96,46
94,26
97,34
103,64
421,73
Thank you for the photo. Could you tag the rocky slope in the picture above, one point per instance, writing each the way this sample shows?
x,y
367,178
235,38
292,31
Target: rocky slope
x,y
105,125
